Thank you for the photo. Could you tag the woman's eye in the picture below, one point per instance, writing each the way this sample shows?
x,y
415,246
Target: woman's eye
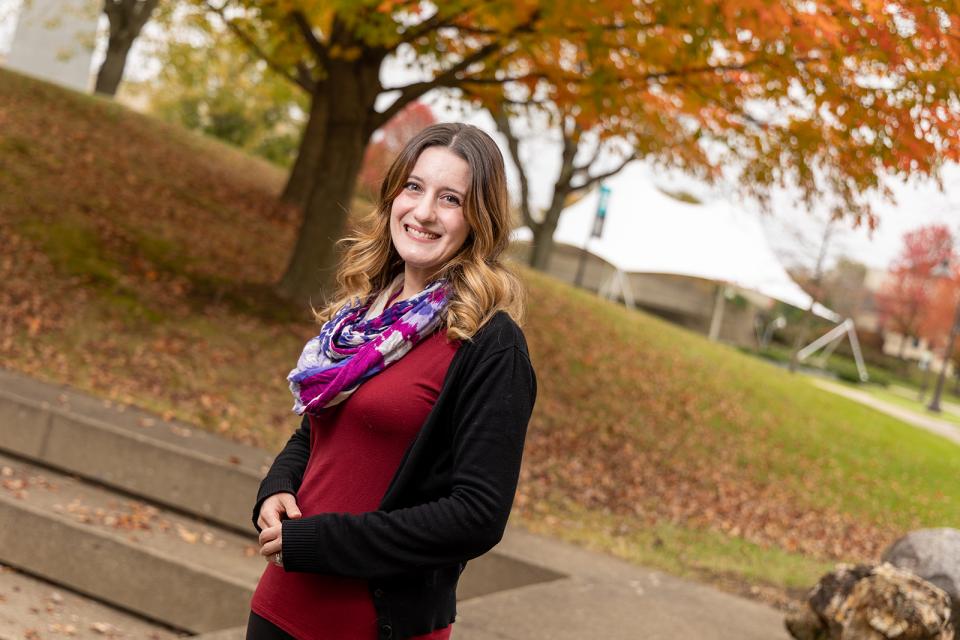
x,y
454,200
411,185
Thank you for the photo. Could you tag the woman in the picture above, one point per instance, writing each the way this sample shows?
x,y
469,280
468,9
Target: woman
x,y
416,397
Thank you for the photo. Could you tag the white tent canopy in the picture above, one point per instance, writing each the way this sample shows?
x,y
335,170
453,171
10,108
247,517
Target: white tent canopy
x,y
648,231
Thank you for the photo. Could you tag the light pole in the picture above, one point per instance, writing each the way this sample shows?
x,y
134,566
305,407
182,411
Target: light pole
x,y
954,329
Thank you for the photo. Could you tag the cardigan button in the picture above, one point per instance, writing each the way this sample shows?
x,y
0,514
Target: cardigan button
x,y
387,631
378,593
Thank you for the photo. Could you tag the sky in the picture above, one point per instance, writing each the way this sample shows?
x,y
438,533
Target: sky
x,y
794,233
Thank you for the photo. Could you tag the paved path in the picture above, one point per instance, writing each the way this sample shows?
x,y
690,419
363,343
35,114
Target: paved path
x,y
931,424
600,596
603,597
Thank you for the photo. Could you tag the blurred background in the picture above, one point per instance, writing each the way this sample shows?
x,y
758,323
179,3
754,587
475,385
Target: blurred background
x,y
737,223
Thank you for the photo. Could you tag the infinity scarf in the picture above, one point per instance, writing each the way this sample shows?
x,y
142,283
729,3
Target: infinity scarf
x,y
361,340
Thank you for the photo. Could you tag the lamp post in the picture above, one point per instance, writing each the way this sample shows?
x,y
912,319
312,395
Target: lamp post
x,y
954,329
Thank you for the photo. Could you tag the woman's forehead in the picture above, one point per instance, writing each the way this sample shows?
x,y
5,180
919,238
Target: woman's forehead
x,y
441,165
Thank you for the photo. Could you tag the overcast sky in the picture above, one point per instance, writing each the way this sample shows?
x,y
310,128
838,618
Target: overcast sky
x,y
794,234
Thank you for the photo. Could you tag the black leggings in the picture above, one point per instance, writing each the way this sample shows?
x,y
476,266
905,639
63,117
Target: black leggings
x,y
261,629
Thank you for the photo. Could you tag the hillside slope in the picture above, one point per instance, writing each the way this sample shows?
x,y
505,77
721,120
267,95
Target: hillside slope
x,y
136,261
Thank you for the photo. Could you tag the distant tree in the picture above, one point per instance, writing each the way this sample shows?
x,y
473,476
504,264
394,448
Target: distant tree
x,y
224,92
582,147
941,308
843,287
127,18
905,300
388,141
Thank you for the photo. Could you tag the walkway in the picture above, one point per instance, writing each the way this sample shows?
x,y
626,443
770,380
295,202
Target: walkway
x,y
929,423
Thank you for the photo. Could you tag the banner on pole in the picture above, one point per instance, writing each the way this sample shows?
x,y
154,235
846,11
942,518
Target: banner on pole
x,y
597,230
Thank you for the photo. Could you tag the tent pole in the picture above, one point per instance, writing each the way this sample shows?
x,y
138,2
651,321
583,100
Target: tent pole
x,y
717,319
626,289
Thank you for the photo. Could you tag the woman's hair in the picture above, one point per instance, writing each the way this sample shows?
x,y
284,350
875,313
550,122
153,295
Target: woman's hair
x,y
480,285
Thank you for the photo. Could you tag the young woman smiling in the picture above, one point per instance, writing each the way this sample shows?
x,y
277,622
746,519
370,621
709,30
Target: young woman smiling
x,y
415,399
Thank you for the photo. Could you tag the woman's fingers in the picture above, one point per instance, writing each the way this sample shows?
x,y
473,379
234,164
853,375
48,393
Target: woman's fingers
x,y
289,502
269,534
271,541
271,548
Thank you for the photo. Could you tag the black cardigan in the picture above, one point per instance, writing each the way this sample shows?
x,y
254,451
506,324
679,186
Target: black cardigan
x,y
447,503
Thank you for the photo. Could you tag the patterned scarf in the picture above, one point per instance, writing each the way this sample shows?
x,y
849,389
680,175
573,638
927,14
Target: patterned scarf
x,y
360,341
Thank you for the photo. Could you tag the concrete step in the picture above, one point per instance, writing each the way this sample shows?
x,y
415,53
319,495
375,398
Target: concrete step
x,y
105,500
166,462
32,608
162,565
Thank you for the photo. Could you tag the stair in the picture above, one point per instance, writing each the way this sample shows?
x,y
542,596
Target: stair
x,y
146,516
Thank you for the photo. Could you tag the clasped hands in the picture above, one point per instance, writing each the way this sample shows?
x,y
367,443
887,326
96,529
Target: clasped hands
x,y
271,514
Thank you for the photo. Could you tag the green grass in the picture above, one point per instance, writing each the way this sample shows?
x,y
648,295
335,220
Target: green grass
x,y
141,270
908,398
684,551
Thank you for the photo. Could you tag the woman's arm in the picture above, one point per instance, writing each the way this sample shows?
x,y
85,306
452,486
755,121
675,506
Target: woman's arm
x,y
286,472
490,421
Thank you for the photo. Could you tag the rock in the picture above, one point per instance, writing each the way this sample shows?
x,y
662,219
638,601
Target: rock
x,y
873,603
934,555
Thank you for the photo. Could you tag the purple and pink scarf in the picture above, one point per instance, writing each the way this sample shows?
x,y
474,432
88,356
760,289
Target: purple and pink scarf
x,y
361,340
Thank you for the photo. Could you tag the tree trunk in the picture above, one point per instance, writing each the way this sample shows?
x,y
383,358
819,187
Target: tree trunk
x,y
127,18
111,71
542,247
543,232
303,175
312,266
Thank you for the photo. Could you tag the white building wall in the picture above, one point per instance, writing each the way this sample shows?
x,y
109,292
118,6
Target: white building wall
x,y
54,41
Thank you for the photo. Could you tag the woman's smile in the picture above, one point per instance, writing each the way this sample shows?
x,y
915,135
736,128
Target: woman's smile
x,y
420,234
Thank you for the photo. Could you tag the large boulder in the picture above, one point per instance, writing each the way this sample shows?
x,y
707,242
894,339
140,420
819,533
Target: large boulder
x,y
934,555
873,603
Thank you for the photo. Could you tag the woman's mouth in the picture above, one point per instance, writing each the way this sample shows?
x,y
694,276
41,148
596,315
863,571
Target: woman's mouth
x,y
420,233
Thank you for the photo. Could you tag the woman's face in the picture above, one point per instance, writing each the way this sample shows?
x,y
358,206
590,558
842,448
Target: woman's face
x,y
427,223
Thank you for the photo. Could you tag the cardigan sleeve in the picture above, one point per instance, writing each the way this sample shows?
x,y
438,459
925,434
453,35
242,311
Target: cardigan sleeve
x,y
491,412
286,472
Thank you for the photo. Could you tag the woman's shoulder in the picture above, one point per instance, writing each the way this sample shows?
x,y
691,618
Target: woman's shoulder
x,y
499,333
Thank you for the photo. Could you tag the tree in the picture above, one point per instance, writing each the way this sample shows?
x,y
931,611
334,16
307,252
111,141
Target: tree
x,y
573,178
844,289
830,97
224,92
941,307
127,18
905,300
387,143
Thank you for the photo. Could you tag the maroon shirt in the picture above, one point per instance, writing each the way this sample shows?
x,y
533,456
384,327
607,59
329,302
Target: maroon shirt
x,y
355,450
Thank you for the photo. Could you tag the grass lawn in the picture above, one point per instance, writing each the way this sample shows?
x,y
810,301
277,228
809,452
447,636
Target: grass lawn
x,y
908,398
137,264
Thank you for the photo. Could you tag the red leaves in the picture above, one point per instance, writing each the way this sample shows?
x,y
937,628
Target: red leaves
x,y
906,300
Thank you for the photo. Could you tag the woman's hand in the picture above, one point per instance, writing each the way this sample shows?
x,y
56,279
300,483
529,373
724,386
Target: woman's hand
x,y
271,515
271,542
275,507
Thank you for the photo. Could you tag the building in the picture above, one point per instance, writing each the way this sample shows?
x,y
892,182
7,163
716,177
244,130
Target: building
x,y
707,266
54,41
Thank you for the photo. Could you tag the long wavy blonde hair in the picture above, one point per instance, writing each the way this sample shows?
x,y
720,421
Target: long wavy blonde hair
x,y
480,284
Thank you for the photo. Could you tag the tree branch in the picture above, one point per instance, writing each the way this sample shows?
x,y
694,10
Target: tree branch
x,y
603,176
413,91
253,46
306,30
432,23
502,119
585,168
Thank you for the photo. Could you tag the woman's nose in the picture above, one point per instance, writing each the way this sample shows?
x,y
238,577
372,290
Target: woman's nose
x,y
425,208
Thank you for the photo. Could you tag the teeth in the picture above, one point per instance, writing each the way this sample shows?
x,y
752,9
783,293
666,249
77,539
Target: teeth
x,y
421,234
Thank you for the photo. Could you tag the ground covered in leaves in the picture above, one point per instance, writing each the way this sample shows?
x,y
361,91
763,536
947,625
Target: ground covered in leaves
x,y
136,263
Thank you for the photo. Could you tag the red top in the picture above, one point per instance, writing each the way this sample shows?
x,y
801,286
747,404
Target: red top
x,y
355,450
